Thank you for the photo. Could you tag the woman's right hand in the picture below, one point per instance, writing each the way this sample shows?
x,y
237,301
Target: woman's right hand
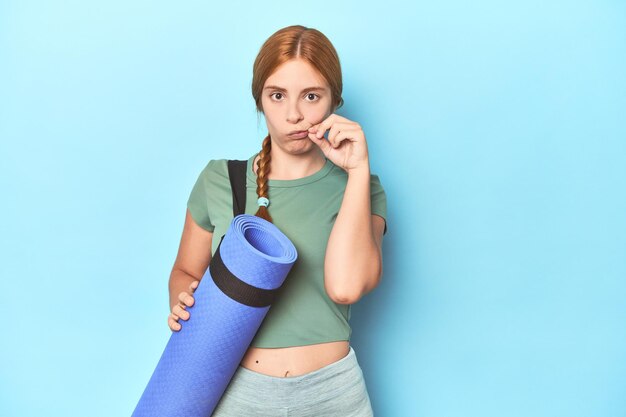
x,y
185,300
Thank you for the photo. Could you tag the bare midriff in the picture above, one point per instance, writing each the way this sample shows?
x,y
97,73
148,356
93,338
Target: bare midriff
x,y
294,360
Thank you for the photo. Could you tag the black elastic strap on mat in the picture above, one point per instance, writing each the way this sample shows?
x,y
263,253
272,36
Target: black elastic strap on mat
x,y
228,283
237,289
237,174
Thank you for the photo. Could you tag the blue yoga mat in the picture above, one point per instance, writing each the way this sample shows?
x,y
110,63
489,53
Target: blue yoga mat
x,y
244,276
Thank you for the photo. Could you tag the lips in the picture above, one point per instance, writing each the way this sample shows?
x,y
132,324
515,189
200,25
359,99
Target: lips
x,y
298,134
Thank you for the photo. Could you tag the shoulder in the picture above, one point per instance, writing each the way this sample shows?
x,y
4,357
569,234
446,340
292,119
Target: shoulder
x,y
220,166
215,169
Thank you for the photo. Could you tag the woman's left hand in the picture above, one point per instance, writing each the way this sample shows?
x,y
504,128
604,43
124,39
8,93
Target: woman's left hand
x,y
346,146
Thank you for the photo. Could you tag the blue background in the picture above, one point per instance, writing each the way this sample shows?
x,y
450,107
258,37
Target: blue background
x,y
498,131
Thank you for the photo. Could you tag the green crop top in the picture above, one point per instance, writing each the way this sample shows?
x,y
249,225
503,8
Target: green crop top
x,y
304,209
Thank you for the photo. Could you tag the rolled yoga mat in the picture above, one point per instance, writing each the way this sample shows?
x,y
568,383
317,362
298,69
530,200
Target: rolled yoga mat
x,y
248,268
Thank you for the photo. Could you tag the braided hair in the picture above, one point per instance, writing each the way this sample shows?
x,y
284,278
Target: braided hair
x,y
263,170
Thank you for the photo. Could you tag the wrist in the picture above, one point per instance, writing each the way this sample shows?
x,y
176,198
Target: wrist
x,y
362,171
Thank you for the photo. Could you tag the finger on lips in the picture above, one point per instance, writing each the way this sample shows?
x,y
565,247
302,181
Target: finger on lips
x,y
318,130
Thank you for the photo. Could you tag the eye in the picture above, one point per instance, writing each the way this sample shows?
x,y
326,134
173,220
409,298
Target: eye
x,y
312,94
276,93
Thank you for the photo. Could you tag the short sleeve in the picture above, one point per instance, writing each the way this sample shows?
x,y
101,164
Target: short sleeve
x,y
378,198
198,200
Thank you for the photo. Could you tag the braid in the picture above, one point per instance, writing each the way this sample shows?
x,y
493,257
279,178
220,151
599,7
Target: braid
x,y
263,170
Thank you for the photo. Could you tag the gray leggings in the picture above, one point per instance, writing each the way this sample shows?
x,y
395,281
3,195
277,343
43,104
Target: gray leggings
x,y
337,389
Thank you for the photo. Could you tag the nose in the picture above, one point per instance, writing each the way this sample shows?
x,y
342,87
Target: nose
x,y
293,113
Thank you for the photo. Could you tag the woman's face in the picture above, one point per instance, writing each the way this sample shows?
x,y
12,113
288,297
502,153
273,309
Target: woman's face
x,y
295,97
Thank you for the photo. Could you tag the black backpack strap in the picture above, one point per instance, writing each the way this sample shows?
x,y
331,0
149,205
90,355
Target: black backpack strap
x,y
237,174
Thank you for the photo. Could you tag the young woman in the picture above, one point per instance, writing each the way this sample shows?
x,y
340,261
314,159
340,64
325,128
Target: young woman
x,y
323,197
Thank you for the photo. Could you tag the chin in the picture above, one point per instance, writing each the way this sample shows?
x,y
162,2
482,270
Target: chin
x,y
297,148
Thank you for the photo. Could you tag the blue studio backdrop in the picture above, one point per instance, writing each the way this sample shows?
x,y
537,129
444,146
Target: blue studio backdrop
x,y
498,130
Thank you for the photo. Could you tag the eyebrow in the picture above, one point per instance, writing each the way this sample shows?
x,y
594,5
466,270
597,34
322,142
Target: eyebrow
x,y
275,87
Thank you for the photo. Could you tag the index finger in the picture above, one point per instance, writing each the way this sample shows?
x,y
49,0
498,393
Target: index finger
x,y
324,125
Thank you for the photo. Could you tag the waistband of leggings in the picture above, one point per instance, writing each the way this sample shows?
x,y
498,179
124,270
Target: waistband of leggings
x,y
252,384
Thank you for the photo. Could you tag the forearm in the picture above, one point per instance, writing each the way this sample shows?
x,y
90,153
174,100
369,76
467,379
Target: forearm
x,y
179,282
352,263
